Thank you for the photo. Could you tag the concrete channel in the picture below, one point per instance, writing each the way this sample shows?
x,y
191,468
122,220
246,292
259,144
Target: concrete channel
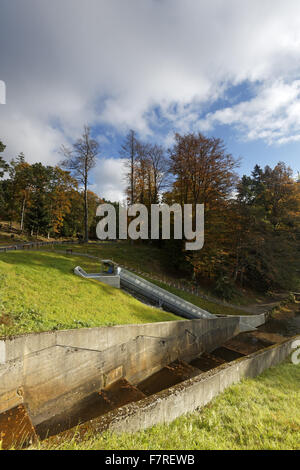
x,y
126,377
176,389
127,397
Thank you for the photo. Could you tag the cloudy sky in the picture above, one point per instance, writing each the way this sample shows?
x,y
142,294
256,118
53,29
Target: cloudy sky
x,y
227,68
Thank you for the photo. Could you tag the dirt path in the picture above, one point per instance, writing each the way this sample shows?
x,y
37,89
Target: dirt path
x,y
256,309
285,322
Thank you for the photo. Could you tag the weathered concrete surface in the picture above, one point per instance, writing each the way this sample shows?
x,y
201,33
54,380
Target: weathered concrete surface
x,y
185,397
98,403
104,337
55,370
113,281
250,322
23,345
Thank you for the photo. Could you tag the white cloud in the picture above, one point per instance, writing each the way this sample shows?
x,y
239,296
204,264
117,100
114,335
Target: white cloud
x,y
37,140
272,115
71,62
109,179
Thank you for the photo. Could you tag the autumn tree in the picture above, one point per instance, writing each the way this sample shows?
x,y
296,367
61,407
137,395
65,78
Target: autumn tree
x,y
80,159
204,173
13,188
3,163
61,186
45,200
20,178
129,151
3,170
94,202
151,169
266,235
146,169
72,223
38,218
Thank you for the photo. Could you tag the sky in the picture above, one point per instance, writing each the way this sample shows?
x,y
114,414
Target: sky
x,y
226,68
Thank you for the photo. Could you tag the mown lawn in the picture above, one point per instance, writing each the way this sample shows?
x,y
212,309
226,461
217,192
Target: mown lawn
x,y
39,292
260,413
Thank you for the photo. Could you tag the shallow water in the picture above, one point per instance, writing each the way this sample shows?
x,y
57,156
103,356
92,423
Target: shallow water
x,y
286,327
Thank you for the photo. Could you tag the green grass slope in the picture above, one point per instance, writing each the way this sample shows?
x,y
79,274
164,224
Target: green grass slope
x,y
260,413
147,259
207,305
39,292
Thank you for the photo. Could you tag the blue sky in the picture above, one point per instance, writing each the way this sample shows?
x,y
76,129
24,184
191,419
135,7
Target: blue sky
x,y
251,152
226,68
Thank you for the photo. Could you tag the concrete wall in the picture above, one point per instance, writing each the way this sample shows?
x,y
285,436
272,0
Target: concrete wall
x,y
250,322
187,396
52,371
101,338
113,281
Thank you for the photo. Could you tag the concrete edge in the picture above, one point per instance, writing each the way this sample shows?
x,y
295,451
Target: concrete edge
x,y
187,396
17,347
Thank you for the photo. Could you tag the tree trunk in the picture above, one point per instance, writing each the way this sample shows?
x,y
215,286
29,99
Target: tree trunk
x,y
242,276
132,170
86,223
22,215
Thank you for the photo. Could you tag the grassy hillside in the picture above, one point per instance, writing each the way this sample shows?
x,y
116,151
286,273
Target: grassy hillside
x,y
142,257
10,234
260,413
147,258
139,256
39,292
